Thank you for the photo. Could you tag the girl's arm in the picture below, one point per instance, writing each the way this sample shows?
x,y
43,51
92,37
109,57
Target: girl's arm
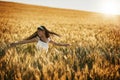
x,y
23,42
59,44
19,42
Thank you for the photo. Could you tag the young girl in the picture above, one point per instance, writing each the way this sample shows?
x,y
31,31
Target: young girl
x,y
42,37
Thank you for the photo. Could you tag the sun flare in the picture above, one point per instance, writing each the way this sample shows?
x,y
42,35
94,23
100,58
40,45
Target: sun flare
x,y
110,8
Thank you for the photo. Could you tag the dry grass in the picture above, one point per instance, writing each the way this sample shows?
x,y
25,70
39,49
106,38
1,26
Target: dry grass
x,y
94,54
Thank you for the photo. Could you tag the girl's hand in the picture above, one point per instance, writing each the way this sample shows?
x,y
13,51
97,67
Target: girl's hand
x,y
67,45
13,44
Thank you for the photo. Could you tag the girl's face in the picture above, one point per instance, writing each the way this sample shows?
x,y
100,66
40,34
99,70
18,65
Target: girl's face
x,y
40,33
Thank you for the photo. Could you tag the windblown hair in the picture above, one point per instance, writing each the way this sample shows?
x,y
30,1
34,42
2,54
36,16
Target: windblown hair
x,y
43,28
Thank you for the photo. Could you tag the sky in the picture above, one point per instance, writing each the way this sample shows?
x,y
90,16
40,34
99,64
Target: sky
x,y
103,6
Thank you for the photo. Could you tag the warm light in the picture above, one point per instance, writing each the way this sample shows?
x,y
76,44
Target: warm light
x,y
109,7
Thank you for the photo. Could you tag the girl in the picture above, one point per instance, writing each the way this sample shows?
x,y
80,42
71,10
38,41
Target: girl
x,y
42,37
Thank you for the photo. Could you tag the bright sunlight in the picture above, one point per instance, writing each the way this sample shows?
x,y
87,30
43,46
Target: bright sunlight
x,y
109,7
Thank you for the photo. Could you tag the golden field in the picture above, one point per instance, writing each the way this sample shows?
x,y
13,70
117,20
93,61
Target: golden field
x,y
95,39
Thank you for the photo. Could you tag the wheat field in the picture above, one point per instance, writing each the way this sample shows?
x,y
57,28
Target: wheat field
x,y
95,39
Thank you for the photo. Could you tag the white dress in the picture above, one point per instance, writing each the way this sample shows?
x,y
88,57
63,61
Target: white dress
x,y
43,46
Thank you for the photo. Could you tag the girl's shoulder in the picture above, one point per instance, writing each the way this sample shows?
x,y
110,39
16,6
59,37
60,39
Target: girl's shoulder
x,y
37,38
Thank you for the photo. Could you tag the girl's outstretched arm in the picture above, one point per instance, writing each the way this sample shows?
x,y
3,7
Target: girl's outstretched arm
x,y
17,43
59,44
23,42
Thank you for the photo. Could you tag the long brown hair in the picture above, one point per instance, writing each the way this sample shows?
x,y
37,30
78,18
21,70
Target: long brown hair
x,y
43,28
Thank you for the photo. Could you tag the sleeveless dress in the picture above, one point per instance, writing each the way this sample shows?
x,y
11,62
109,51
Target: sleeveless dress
x,y
42,46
